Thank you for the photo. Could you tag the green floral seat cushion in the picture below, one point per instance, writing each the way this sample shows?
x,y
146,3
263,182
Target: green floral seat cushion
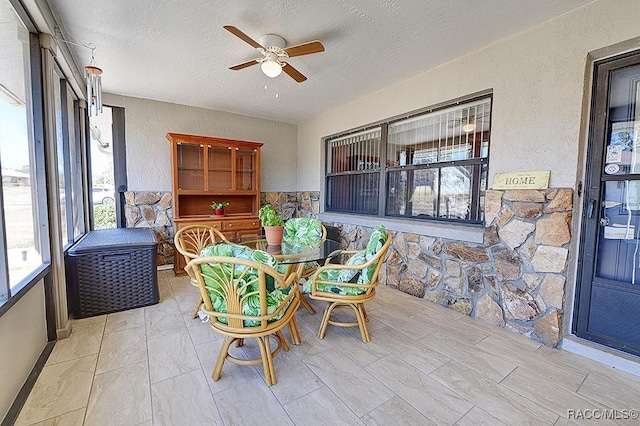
x,y
354,276
251,304
301,233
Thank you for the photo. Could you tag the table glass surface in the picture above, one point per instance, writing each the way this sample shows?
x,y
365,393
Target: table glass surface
x,y
288,253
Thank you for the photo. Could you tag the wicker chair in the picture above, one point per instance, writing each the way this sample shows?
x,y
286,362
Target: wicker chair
x,y
190,241
243,299
305,231
350,284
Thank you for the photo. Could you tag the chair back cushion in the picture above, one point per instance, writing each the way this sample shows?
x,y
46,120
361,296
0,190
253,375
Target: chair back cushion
x,y
251,304
302,230
359,276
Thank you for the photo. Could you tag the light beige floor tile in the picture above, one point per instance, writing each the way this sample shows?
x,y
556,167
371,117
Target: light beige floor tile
x,y
120,397
563,422
411,351
122,348
321,407
171,355
460,332
250,404
490,366
353,347
477,417
413,327
568,377
349,381
396,411
435,401
544,392
89,320
310,344
184,400
619,391
295,379
60,389
118,321
232,374
163,319
84,340
493,398
201,332
74,418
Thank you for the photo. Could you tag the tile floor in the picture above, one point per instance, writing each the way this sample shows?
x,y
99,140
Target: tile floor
x,y
425,365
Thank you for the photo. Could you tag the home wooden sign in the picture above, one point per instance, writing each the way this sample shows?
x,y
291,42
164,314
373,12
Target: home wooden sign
x,y
522,180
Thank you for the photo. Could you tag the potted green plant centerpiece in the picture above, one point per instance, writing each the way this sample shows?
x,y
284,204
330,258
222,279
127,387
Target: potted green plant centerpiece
x,y
218,208
273,224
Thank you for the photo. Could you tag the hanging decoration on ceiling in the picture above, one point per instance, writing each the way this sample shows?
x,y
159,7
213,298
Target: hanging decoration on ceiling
x,y
92,75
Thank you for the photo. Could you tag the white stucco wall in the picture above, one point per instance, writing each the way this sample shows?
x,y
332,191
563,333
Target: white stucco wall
x,y
148,151
23,336
538,82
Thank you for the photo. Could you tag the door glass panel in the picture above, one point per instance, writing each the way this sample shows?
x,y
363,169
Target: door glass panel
x,y
619,246
622,153
219,168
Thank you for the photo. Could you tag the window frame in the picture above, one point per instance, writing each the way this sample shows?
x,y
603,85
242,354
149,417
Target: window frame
x,y
35,112
482,163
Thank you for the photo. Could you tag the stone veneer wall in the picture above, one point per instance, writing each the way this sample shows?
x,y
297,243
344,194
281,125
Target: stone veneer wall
x,y
153,210
293,204
515,280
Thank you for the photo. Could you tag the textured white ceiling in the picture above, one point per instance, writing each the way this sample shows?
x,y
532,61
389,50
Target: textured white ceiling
x,y
177,50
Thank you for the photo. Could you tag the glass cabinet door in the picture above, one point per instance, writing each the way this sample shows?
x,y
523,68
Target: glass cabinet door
x,y
190,167
245,169
219,168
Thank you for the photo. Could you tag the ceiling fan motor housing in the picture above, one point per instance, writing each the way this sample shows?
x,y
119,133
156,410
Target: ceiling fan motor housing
x,y
269,40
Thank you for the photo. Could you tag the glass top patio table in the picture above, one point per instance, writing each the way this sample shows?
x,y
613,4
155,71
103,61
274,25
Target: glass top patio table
x,y
288,253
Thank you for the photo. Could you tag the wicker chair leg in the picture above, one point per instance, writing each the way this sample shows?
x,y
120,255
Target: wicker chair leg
x,y
325,319
294,332
197,308
307,305
362,324
283,342
222,356
272,368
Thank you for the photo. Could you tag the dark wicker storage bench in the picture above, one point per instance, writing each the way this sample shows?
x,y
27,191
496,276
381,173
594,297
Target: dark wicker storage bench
x,y
112,270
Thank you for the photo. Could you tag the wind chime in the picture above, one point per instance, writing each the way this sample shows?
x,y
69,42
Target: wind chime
x,y
93,74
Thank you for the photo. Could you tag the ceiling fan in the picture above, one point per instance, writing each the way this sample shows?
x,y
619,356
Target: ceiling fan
x,y
274,53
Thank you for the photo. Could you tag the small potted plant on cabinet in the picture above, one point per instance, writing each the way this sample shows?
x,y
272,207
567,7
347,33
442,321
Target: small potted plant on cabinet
x,y
218,208
273,225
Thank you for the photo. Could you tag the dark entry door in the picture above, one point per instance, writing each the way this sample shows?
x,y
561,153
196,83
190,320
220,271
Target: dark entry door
x,y
608,302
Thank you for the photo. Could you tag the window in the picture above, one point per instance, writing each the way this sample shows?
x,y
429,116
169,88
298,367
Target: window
x,y
435,166
20,197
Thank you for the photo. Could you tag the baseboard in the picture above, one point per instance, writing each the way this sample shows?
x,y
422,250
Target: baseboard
x,y
164,267
21,398
63,333
602,354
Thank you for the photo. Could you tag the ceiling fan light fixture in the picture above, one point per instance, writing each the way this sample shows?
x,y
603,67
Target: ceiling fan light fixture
x,y
271,66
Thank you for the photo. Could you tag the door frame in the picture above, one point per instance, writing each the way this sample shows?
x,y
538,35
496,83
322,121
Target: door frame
x,y
591,201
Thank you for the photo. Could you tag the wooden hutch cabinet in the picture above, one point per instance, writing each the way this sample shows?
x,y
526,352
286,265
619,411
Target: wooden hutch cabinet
x,y
207,169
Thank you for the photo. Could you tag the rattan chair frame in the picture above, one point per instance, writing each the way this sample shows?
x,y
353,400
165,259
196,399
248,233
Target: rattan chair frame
x,y
190,241
355,302
234,292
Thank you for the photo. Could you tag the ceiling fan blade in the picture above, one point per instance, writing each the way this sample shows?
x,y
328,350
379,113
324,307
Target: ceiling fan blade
x,y
294,73
244,65
236,32
305,49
